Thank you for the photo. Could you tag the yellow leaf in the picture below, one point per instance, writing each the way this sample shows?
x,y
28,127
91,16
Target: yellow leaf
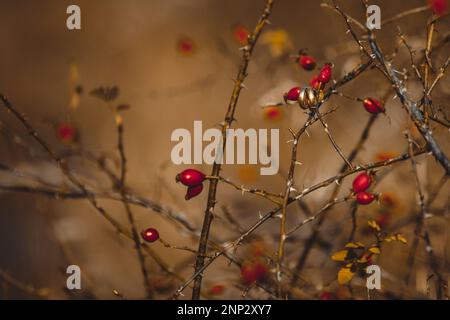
x,y
74,75
354,245
278,41
340,255
401,238
74,101
375,250
374,225
345,275
119,120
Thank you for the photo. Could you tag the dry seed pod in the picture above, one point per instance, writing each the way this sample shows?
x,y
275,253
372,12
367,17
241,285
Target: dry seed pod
x,y
307,98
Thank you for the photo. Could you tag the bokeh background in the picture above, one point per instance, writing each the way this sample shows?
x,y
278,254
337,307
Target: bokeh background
x,y
174,62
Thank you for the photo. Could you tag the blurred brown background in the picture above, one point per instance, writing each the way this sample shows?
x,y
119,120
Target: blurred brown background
x,y
133,44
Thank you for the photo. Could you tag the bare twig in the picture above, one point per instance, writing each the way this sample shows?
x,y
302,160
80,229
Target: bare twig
x,y
412,107
421,228
90,196
333,141
405,14
123,193
275,211
288,189
416,115
229,118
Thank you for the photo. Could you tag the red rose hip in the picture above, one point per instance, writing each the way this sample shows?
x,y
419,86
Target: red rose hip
x,y
150,235
307,62
217,289
66,132
253,272
439,7
364,198
373,106
362,182
186,46
240,34
193,191
315,83
325,74
325,295
291,96
190,177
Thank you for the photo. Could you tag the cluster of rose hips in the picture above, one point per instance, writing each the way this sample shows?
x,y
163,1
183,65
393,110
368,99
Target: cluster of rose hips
x,y
319,81
307,97
360,184
193,179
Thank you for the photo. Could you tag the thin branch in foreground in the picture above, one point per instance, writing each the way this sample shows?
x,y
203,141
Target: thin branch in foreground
x,y
275,211
416,115
421,228
287,192
229,118
332,140
315,232
123,193
412,107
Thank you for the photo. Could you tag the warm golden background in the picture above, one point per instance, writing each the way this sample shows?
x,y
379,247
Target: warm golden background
x,y
133,44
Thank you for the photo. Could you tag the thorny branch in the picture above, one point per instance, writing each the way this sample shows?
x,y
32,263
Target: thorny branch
x,y
229,118
122,180
417,110
303,193
289,188
421,228
389,71
311,240
90,196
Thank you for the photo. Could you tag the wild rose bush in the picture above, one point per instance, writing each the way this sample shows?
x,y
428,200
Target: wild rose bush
x,y
336,207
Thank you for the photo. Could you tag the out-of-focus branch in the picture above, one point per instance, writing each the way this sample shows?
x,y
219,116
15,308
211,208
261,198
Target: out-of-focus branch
x,y
90,196
41,293
404,14
123,194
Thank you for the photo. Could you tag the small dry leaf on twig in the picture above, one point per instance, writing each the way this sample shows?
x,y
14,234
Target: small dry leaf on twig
x,y
106,93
